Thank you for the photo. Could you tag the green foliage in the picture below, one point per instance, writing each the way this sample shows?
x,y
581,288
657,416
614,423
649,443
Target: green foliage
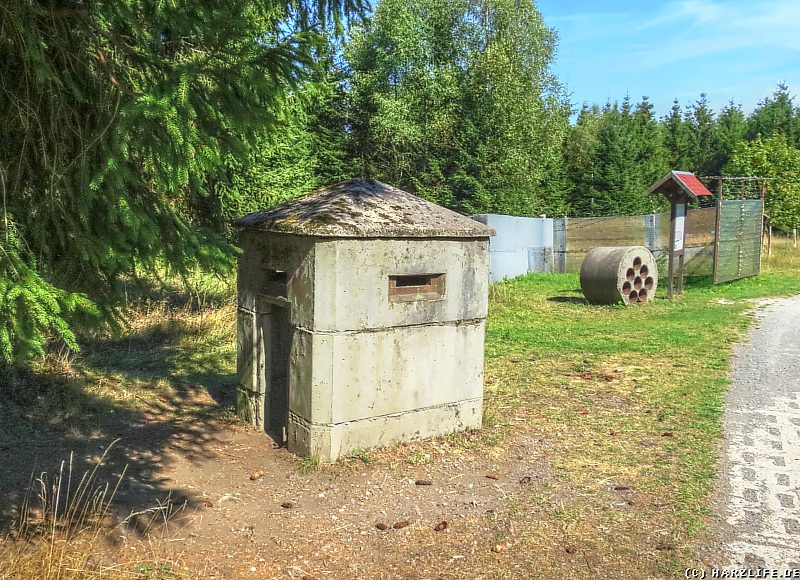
x,y
133,131
306,149
730,130
455,100
580,154
613,155
776,159
702,138
116,116
676,138
776,115
626,156
31,308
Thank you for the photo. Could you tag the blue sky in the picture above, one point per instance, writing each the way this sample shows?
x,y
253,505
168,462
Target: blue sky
x,y
729,49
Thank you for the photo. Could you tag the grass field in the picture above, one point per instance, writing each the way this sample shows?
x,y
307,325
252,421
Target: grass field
x,y
630,400
623,404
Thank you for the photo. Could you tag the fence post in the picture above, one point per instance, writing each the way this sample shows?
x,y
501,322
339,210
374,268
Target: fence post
x,y
652,228
717,232
769,242
560,244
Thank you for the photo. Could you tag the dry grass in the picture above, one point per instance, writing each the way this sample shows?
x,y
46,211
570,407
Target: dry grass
x,y
170,354
626,403
784,257
622,405
62,529
88,556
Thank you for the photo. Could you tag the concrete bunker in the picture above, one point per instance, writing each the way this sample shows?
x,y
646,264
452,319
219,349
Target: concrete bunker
x,y
361,318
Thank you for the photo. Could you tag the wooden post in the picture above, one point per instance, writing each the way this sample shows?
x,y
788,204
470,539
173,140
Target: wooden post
x,y
680,237
769,242
671,264
794,233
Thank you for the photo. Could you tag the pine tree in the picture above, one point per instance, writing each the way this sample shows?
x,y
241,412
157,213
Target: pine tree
x,y
702,138
628,155
652,156
677,138
614,165
776,115
730,130
115,118
580,154
305,150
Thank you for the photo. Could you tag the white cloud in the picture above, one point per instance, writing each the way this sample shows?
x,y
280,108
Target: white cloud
x,y
692,29
695,12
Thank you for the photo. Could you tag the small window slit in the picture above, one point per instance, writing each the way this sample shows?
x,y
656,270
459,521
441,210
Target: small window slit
x,y
416,287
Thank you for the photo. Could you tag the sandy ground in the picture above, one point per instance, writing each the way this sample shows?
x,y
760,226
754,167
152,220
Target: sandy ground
x,y
759,481
236,507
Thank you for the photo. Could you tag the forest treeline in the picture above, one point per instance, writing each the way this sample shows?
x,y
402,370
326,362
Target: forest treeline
x,y
133,131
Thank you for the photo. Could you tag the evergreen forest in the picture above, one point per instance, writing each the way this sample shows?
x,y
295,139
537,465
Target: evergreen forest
x,y
132,132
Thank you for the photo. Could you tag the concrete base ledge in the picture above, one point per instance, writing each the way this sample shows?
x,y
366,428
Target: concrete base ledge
x,y
383,329
329,442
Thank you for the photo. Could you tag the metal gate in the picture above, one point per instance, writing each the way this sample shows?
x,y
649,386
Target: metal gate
x,y
737,249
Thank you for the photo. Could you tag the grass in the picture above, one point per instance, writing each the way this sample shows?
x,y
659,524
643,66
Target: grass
x,y
630,402
309,464
174,352
61,529
623,406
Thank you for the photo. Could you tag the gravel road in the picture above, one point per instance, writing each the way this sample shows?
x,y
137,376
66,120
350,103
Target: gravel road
x,y
759,483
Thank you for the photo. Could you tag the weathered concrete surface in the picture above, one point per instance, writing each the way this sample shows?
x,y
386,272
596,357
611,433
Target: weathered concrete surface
x,y
329,442
610,275
364,208
351,285
341,347
759,480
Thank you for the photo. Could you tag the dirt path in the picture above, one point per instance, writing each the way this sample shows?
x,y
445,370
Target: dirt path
x,y
760,477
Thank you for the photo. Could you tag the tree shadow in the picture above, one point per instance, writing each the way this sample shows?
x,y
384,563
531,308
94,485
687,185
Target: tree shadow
x,y
698,281
163,390
568,299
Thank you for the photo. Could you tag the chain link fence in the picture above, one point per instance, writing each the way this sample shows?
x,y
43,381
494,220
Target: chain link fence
x,y
524,245
575,237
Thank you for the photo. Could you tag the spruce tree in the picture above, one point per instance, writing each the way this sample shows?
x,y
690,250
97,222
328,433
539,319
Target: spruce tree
x,y
627,157
652,157
677,138
579,158
776,115
116,117
730,130
614,165
702,137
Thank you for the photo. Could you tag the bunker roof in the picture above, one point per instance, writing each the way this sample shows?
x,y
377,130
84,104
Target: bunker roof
x,y
363,208
681,181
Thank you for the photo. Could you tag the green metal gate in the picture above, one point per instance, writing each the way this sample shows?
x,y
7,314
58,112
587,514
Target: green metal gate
x,y
737,251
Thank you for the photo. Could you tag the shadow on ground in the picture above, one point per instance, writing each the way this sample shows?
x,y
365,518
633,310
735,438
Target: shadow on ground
x,y
161,390
568,299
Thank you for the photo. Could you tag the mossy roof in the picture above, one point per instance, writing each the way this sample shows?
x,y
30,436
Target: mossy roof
x,y
363,208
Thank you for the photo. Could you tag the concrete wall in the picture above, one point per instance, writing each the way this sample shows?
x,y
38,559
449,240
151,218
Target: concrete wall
x,y
265,335
524,245
520,246
352,282
365,370
292,254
